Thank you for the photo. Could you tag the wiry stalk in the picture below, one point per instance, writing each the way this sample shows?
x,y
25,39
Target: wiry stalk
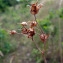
x,y
44,57
38,24
37,46
59,23
45,61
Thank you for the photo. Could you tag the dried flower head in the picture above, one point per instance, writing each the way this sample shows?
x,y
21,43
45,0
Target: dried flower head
x,y
24,30
33,24
31,33
44,37
35,8
13,32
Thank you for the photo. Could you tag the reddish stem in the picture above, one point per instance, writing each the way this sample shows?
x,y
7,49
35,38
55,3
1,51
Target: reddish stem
x,y
44,57
45,61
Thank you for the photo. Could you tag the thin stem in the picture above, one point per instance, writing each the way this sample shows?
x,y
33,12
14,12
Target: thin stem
x,y
44,57
38,29
59,23
45,61
35,17
37,46
38,24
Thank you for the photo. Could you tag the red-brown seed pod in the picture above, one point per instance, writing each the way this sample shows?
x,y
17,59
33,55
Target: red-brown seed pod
x,y
44,37
24,30
31,33
34,9
33,24
13,32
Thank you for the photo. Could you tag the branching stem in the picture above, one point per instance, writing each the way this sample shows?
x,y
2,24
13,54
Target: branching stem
x,y
44,57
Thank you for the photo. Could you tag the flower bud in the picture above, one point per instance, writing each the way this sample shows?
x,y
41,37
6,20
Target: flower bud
x,y
13,32
33,24
24,31
44,37
31,33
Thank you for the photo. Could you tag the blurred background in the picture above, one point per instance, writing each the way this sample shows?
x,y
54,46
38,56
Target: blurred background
x,y
20,49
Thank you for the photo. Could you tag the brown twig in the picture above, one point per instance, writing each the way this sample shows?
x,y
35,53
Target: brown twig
x,y
37,46
38,24
44,57
59,23
45,61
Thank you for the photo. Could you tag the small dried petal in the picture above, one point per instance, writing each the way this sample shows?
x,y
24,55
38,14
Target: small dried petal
x,y
13,32
33,24
44,37
25,31
39,6
24,23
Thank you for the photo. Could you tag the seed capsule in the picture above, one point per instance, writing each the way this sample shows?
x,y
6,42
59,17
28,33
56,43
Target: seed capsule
x,y
25,31
44,37
31,33
35,8
13,32
33,24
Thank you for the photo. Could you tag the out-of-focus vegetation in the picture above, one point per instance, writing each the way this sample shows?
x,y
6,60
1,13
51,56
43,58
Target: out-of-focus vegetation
x,y
17,11
5,45
49,28
4,4
9,20
61,13
47,24
25,2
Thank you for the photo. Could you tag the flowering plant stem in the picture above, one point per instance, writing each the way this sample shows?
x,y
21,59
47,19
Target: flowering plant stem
x,y
44,57
45,61
38,24
59,23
